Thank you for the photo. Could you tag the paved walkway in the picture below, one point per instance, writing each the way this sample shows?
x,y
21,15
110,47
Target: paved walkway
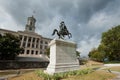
x,y
111,65
17,73
114,72
118,75
8,76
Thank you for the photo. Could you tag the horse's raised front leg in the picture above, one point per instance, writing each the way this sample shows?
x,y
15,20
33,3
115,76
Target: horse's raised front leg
x,y
54,31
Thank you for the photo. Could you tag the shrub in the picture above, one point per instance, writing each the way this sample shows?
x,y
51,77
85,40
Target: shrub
x,y
58,76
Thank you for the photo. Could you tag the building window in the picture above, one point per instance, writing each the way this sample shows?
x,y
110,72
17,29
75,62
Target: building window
x,y
41,42
41,46
36,53
37,40
46,42
28,45
33,39
23,44
36,45
40,52
28,51
23,52
25,38
30,28
30,23
20,37
29,40
32,52
45,47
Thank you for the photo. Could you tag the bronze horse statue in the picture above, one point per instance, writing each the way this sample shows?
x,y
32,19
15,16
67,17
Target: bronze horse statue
x,y
63,31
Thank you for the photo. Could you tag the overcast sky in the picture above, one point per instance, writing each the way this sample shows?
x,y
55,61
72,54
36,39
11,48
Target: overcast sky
x,y
85,19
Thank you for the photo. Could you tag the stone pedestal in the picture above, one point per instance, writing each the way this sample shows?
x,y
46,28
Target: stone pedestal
x,y
62,57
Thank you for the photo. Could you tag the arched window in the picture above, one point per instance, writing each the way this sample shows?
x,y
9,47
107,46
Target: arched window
x,y
31,23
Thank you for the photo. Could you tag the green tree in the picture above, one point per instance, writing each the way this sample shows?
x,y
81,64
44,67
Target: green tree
x,y
111,43
96,55
78,54
9,47
47,52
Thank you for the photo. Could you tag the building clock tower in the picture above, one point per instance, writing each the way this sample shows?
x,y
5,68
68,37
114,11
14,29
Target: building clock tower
x,y
30,26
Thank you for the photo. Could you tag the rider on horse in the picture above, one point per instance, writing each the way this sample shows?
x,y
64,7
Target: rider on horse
x,y
63,27
63,31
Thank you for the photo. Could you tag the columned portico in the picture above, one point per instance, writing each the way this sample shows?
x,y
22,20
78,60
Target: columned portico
x,y
30,41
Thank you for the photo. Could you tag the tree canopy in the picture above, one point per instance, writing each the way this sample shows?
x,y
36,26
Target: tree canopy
x,y
109,47
96,55
9,47
111,43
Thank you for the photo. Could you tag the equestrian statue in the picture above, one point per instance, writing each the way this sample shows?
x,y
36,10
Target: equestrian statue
x,y
63,31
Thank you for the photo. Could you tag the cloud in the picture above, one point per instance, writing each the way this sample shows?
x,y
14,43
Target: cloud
x,y
85,19
86,45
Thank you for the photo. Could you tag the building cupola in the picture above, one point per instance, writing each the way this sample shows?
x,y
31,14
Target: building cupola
x,y
30,26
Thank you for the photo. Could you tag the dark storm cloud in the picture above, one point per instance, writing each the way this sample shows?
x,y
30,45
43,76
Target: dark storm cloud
x,y
85,19
18,9
79,10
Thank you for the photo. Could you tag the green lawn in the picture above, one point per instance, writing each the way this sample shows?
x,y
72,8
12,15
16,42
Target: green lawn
x,y
117,68
13,72
97,75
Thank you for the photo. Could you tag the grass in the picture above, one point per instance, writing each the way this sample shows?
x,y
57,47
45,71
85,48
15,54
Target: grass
x,y
13,72
91,67
27,76
112,62
7,73
97,75
59,76
116,68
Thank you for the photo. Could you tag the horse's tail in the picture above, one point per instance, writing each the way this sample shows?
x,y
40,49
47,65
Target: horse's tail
x,y
55,30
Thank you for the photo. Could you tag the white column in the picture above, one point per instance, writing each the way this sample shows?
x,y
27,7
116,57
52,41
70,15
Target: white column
x,y
35,42
26,42
24,51
22,41
31,42
38,47
39,44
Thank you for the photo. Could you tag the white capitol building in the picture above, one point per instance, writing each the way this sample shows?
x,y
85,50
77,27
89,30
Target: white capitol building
x,y
34,44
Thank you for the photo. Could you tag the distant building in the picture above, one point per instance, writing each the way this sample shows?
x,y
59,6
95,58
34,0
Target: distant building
x,y
34,44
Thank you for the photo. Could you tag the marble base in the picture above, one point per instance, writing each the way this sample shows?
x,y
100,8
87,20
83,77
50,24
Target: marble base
x,y
62,57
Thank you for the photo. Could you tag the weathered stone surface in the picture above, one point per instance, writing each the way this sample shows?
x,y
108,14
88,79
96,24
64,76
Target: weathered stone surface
x,y
62,57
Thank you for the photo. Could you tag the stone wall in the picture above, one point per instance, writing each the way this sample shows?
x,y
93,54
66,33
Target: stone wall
x,y
22,64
